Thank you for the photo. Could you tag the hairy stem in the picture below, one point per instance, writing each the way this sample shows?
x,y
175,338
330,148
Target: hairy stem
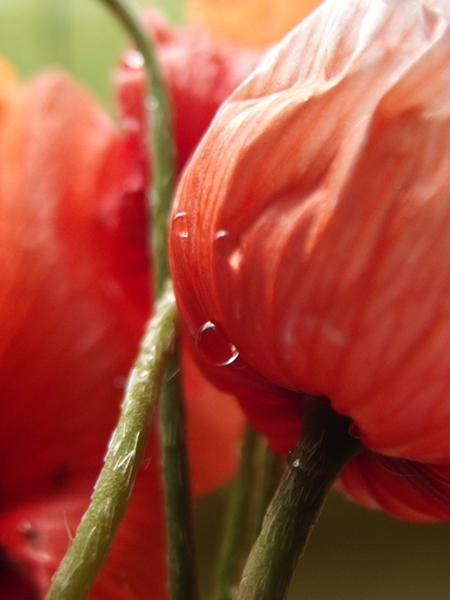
x,y
90,547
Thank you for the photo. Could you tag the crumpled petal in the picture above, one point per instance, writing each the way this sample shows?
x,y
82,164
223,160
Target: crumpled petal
x,y
315,219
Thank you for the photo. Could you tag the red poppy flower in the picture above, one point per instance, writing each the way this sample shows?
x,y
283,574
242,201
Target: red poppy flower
x,y
310,243
73,303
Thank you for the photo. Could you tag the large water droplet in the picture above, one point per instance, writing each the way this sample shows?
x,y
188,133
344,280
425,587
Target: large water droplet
x,y
214,347
180,224
133,59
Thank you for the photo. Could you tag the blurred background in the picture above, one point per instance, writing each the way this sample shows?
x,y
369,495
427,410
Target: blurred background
x,y
353,553
77,35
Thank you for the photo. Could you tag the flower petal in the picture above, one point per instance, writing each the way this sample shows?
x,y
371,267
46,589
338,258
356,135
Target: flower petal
x,y
73,300
67,336
316,217
200,73
214,428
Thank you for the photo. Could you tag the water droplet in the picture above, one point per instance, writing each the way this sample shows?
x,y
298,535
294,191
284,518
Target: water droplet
x,y
133,59
29,532
226,247
353,431
214,347
224,241
293,459
180,224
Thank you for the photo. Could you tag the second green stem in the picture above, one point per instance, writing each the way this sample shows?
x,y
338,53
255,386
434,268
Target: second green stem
x,y
324,448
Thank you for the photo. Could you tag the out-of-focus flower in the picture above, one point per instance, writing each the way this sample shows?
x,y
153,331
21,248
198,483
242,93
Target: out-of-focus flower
x,y
200,73
73,302
254,22
310,243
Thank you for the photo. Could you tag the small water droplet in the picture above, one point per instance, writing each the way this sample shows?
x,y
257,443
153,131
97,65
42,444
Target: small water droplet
x,y
180,224
28,532
133,59
293,459
353,431
224,241
226,247
214,347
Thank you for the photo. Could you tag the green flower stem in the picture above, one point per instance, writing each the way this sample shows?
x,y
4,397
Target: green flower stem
x,y
324,448
177,490
160,142
89,549
239,522
271,469
182,576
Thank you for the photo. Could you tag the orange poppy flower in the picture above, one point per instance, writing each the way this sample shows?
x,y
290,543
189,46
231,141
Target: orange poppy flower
x,y
310,247
73,303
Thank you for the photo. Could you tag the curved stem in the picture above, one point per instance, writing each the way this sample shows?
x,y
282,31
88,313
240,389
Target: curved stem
x,y
89,549
160,142
177,489
324,448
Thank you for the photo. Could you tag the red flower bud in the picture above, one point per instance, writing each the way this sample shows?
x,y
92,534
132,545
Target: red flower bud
x,y
315,240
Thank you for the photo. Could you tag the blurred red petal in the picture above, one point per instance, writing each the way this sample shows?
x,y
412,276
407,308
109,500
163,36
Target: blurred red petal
x,y
67,334
214,428
200,72
37,533
73,300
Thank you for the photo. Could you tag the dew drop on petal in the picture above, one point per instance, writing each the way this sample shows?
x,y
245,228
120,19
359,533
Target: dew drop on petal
x,y
212,346
180,224
226,247
133,59
225,242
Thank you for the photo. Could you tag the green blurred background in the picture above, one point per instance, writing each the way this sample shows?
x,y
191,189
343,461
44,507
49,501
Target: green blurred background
x,y
354,553
78,35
